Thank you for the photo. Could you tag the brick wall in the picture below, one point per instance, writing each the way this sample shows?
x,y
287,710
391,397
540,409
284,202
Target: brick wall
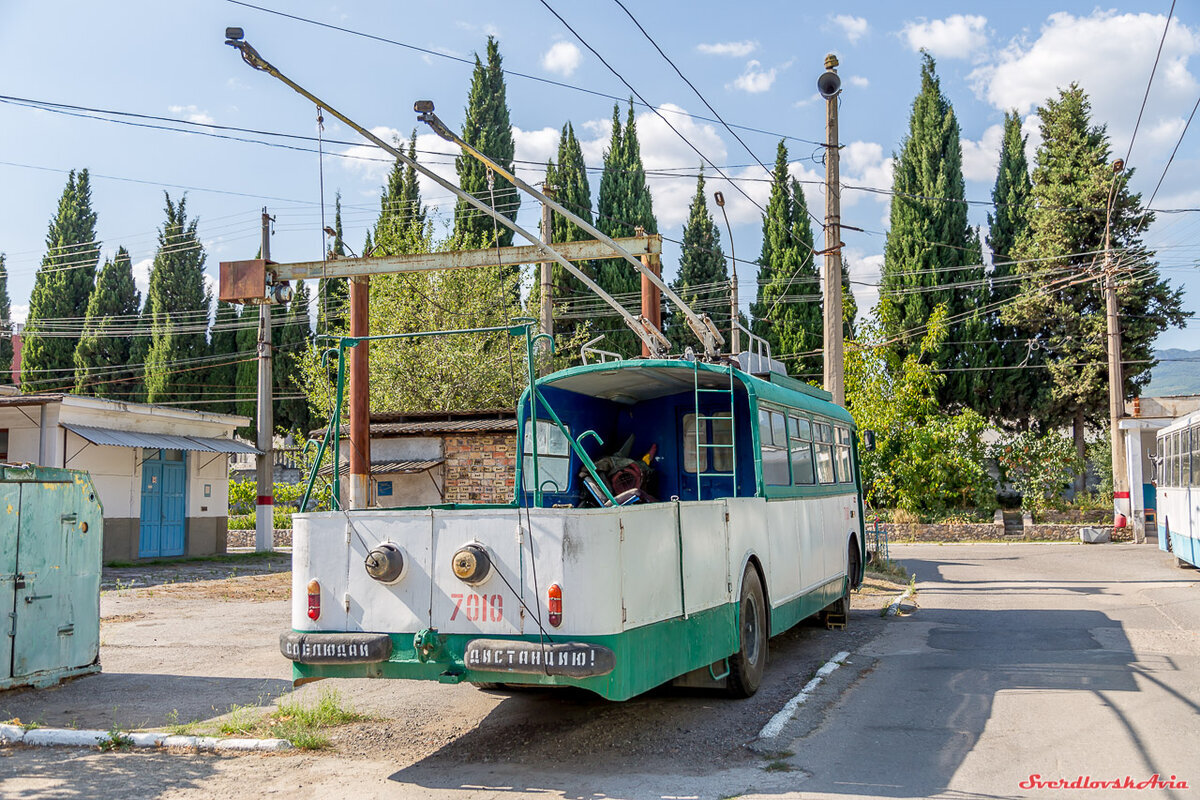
x,y
480,468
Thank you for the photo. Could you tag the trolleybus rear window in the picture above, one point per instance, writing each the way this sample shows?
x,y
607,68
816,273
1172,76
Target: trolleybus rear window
x,y
554,458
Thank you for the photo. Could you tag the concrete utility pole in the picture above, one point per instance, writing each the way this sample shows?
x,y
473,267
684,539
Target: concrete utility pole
x,y
651,296
1116,375
360,409
264,507
829,85
548,266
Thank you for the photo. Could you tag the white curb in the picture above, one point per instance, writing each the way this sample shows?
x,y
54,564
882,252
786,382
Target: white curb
x,y
67,737
775,726
894,608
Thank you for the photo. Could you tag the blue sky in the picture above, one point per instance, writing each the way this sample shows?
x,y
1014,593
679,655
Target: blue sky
x,y
755,62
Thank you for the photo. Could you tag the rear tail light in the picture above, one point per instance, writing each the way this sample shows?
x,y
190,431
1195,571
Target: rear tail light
x,y
555,604
314,599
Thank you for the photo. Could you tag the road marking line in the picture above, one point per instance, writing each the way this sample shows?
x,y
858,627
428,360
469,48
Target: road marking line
x,y
895,606
775,726
69,737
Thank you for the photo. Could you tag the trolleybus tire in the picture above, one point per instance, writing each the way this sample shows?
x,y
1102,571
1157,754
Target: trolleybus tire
x,y
746,666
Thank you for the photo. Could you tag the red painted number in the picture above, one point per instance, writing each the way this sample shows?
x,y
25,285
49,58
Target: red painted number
x,y
478,608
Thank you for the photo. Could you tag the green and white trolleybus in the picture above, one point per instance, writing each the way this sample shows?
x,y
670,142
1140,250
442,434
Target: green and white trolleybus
x,y
669,517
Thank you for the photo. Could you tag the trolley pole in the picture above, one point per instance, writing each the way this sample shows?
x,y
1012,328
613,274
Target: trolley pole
x,y
651,296
735,333
360,407
1116,376
264,507
547,266
829,85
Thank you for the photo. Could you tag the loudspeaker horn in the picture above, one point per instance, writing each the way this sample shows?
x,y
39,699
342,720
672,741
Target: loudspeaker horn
x,y
829,84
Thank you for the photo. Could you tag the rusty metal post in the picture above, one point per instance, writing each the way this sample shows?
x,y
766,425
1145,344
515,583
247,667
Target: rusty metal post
x,y
360,407
834,382
651,295
547,266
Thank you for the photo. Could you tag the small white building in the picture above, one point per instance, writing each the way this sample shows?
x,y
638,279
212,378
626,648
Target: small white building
x,y
161,472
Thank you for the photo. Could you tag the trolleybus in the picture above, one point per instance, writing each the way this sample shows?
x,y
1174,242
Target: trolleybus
x,y
669,516
1178,489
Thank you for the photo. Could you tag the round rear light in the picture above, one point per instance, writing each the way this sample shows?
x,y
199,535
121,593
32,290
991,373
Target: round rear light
x,y
471,564
314,599
385,563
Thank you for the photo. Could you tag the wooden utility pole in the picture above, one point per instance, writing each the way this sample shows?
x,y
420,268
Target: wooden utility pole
x,y
1116,375
830,87
548,266
651,296
264,506
360,408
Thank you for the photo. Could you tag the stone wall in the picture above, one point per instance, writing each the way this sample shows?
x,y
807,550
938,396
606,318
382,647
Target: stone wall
x,y
986,532
480,468
243,539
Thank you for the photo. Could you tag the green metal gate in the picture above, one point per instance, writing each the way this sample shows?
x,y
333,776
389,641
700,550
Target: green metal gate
x,y
51,540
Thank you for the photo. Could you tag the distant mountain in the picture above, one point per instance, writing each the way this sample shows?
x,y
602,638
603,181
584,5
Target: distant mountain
x,y
1177,372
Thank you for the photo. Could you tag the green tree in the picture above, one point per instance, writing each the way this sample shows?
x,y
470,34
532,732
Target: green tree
x,y
6,328
177,304
222,375
61,289
703,279
488,129
624,205
849,304
788,310
246,374
569,181
102,357
930,257
333,293
1061,307
1019,383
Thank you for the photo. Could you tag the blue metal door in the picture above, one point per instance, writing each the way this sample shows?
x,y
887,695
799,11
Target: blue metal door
x,y
163,508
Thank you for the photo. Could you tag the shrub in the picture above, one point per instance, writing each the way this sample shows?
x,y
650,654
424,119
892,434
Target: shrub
x,y
1038,467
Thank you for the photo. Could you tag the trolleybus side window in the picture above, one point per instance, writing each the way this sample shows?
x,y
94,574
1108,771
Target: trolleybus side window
x,y
1195,456
800,432
772,432
554,457
824,448
844,473
1176,460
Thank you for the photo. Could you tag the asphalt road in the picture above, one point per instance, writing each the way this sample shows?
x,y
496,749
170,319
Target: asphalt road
x,y
1056,660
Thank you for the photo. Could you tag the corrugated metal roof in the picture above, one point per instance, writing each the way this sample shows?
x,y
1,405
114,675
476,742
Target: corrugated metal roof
x,y
387,467
391,423
122,438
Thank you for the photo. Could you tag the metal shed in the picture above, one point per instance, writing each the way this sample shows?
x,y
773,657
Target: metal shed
x,y
51,539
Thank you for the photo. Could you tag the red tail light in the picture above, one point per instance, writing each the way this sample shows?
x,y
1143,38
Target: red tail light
x,y
314,599
555,604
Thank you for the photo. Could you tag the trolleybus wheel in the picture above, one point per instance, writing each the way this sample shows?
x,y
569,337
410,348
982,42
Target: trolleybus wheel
x,y
747,665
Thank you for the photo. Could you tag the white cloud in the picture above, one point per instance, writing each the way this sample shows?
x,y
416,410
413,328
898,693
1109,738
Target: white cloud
x,y
858,81
754,79
191,114
980,159
563,58
733,49
1109,55
19,313
865,272
141,274
537,146
957,36
853,27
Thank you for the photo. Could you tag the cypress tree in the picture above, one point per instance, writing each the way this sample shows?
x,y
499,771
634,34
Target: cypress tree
x,y
787,311
703,279
333,293
1019,388
569,181
929,242
6,328
61,289
1061,310
401,223
177,303
488,129
624,205
849,304
292,412
222,375
102,357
